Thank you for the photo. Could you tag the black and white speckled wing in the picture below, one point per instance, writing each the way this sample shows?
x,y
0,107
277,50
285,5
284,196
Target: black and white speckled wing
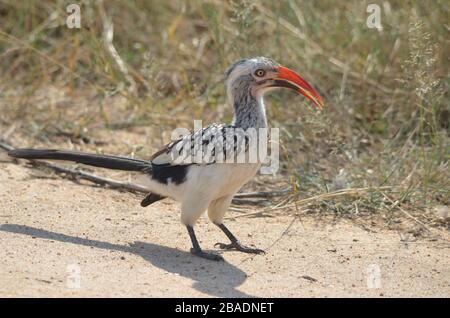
x,y
216,143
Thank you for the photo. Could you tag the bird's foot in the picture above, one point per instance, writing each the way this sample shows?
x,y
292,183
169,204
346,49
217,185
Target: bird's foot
x,y
239,247
210,256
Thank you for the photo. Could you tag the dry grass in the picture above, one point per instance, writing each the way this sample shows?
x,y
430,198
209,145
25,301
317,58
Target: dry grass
x,y
387,92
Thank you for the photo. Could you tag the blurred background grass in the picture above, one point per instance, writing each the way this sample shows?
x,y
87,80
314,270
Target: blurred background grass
x,y
386,91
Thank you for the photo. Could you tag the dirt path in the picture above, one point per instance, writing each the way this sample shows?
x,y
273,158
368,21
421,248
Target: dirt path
x,y
59,238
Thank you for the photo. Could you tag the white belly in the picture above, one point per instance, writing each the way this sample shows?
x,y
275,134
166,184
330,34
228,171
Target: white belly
x,y
218,180
207,182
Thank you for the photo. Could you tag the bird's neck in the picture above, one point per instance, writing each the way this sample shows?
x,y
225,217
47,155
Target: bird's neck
x,y
249,111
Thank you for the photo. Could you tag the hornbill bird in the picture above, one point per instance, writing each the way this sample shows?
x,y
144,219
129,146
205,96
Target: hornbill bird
x,y
200,184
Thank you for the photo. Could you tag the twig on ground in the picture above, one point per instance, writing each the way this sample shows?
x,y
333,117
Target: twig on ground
x,y
239,201
264,194
278,206
342,192
303,202
396,205
6,146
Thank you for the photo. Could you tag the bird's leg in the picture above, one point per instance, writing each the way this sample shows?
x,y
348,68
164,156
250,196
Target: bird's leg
x,y
235,244
196,250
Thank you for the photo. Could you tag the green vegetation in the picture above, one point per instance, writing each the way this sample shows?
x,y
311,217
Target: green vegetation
x,y
387,91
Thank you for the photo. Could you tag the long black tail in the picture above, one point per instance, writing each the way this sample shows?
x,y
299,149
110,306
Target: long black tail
x,y
103,161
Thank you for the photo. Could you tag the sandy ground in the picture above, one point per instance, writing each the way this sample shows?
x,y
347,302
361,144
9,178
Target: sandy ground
x,y
59,238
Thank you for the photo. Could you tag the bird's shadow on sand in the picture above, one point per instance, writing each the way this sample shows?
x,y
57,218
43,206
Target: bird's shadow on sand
x,y
213,278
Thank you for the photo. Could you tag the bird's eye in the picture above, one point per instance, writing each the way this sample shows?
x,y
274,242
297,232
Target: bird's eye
x,y
260,73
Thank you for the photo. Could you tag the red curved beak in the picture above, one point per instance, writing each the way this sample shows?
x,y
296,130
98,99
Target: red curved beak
x,y
290,79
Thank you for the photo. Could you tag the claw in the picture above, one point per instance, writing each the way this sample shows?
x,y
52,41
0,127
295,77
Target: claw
x,y
222,246
239,247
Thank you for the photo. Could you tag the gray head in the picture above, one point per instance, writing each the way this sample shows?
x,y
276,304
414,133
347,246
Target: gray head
x,y
252,77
